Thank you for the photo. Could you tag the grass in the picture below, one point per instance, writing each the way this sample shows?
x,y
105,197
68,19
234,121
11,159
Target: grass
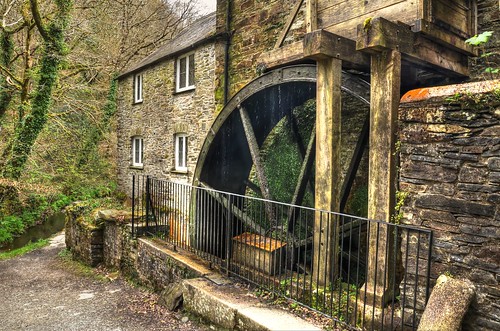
x,y
24,250
79,268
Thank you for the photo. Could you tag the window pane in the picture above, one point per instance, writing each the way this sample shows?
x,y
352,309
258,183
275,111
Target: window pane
x,y
138,88
137,151
182,72
191,70
180,155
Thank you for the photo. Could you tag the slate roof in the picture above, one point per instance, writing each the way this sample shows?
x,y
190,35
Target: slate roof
x,y
199,31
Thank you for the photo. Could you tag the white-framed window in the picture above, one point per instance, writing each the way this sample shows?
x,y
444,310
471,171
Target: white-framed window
x,y
181,152
185,73
137,151
137,88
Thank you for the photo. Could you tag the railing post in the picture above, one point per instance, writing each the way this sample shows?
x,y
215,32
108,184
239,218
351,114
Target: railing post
x,y
133,205
147,203
229,230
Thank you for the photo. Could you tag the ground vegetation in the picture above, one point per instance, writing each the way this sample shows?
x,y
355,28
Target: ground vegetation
x,y
58,64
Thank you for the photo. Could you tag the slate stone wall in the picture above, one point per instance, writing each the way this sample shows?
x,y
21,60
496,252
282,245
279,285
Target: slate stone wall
x,y
450,168
107,240
488,19
161,115
255,26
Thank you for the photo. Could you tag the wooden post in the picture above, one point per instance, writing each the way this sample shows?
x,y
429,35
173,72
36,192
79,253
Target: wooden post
x,y
327,187
385,96
311,16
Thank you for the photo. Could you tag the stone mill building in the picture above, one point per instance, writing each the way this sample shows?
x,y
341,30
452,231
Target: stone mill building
x,y
390,109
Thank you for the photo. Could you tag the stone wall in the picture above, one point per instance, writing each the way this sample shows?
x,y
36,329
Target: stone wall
x,y
450,168
161,115
255,26
85,240
488,19
105,237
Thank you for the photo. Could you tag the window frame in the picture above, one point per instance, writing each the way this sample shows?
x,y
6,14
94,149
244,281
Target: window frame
x,y
177,165
178,68
138,88
140,153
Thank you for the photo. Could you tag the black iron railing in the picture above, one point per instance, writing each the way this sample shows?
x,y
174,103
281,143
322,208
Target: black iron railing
x,y
365,274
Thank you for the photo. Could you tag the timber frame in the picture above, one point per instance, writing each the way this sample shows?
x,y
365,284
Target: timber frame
x,y
397,57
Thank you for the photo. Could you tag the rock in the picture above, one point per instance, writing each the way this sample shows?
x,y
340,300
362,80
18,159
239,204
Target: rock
x,y
171,297
448,303
185,319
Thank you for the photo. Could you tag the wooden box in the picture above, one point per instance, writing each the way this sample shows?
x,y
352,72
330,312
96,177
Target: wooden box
x,y
258,252
452,17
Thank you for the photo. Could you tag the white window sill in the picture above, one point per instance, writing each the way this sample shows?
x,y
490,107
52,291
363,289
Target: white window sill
x,y
185,89
180,172
138,167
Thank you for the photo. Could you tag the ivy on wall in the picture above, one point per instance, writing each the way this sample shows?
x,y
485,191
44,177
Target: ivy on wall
x,y
53,53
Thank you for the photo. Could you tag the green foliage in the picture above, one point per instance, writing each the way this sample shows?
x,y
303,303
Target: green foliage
x,y
358,202
96,133
24,250
481,40
35,210
29,128
6,51
400,201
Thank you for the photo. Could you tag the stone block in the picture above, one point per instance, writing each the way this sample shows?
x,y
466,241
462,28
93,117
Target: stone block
x,y
470,174
438,202
494,164
442,313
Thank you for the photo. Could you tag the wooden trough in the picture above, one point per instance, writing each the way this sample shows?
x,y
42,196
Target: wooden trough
x,y
262,253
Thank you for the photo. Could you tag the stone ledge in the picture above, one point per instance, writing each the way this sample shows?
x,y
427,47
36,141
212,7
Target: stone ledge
x,y
232,308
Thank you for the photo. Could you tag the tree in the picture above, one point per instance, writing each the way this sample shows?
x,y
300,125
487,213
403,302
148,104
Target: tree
x,y
60,82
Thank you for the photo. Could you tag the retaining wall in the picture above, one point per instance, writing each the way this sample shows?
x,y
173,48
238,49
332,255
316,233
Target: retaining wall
x,y
450,169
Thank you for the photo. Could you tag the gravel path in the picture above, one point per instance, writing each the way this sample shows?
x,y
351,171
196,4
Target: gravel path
x,y
38,291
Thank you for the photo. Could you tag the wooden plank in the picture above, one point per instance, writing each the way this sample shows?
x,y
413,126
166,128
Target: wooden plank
x,y
380,34
344,17
311,15
443,37
282,56
452,15
328,169
288,25
321,44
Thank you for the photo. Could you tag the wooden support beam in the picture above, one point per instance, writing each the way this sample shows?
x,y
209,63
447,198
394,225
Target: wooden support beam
x,y
311,15
259,167
385,96
379,34
444,37
279,57
328,169
288,25
321,44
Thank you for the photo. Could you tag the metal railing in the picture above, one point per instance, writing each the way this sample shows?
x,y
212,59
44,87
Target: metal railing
x,y
362,273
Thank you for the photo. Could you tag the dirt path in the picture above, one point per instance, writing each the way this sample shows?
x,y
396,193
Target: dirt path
x,y
39,292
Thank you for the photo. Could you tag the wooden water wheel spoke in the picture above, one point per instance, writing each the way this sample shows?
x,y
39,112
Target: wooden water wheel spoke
x,y
257,161
238,213
354,164
300,144
304,176
254,187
